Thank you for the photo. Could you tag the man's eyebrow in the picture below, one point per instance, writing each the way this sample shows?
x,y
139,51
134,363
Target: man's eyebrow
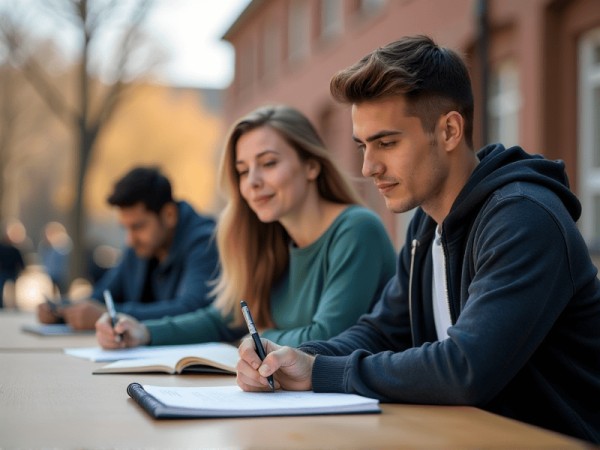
x,y
378,135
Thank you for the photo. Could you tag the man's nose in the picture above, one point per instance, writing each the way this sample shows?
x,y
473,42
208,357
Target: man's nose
x,y
129,239
370,167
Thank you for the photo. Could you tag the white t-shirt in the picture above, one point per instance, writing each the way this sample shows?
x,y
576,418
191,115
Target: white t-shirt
x,y
441,307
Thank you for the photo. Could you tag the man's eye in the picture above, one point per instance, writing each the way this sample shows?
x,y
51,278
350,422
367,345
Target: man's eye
x,y
361,148
386,144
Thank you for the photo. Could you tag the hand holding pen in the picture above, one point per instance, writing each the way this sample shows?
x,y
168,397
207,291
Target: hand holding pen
x,y
110,306
256,338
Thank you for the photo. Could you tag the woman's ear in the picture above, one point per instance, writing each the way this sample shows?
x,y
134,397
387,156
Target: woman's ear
x,y
313,169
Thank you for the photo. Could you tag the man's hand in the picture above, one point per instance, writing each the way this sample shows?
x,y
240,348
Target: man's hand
x,y
47,314
291,368
133,333
82,315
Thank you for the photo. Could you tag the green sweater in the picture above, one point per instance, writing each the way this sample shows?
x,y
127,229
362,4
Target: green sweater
x,y
326,288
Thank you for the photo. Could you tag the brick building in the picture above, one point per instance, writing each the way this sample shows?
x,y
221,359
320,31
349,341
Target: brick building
x,y
535,66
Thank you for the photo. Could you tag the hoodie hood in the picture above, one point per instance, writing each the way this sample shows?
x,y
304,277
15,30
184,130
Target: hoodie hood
x,y
500,166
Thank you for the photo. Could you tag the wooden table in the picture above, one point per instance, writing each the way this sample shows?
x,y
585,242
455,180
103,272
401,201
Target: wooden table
x,y
50,399
12,338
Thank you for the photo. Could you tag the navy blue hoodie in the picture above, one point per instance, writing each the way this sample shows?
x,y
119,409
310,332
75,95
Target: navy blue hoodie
x,y
524,298
180,282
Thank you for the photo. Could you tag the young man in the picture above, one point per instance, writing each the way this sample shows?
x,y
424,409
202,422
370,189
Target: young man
x,y
495,302
171,256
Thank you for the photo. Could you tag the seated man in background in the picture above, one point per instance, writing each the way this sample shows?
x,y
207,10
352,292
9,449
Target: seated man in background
x,y
170,258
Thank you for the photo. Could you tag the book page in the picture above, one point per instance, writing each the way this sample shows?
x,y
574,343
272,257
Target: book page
x,y
221,356
98,354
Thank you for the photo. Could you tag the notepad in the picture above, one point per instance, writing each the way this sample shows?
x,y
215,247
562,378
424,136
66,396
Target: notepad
x,y
204,358
230,401
53,329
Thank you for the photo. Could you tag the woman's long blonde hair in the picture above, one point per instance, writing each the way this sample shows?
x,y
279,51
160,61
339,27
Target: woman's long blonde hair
x,y
254,254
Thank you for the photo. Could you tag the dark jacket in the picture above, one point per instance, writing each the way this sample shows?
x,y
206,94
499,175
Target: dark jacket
x,y
524,300
180,281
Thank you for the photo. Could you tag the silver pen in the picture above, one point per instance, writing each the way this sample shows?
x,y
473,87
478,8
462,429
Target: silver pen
x,y
110,306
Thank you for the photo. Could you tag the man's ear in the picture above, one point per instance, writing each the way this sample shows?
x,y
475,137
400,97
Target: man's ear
x,y
453,129
169,214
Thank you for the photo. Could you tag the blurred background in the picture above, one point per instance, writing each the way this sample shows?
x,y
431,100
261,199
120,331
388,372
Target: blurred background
x,y
89,88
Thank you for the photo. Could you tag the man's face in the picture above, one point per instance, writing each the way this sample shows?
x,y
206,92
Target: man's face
x,y
407,165
149,234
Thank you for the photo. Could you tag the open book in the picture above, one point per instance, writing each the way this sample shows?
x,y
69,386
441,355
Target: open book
x,y
204,358
230,401
98,354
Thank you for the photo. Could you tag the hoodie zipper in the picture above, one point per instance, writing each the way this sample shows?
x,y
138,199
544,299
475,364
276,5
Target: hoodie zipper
x,y
413,251
446,281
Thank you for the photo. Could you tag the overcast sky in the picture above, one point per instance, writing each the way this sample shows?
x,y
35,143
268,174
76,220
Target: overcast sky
x,y
189,30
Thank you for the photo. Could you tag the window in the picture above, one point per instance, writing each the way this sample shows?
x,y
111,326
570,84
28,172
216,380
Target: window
x,y
368,7
589,136
270,50
246,66
299,30
504,104
332,12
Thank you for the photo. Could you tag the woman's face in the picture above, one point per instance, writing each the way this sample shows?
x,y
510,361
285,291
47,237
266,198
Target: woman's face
x,y
272,178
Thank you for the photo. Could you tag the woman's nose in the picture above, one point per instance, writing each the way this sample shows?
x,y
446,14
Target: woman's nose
x,y
254,177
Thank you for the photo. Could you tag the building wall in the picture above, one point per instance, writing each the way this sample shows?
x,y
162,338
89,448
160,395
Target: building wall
x,y
538,36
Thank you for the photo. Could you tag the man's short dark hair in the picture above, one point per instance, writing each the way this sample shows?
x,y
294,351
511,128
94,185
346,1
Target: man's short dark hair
x,y
434,81
146,185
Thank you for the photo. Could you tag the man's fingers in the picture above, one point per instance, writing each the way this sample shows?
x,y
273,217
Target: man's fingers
x,y
249,379
281,357
248,353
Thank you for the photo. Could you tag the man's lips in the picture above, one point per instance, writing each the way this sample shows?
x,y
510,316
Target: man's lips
x,y
385,186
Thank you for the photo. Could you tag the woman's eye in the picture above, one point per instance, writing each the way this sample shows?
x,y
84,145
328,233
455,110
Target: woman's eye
x,y
270,163
241,173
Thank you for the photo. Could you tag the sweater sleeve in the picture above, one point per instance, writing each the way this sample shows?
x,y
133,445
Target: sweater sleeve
x,y
204,325
359,262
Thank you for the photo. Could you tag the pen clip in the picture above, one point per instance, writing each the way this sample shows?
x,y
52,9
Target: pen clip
x,y
249,321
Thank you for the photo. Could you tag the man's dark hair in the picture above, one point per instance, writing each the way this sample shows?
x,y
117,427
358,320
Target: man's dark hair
x,y
145,185
434,80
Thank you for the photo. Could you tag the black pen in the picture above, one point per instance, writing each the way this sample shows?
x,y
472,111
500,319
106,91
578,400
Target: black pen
x,y
256,338
110,306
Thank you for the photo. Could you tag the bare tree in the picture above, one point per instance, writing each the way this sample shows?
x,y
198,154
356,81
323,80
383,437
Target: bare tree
x,y
93,103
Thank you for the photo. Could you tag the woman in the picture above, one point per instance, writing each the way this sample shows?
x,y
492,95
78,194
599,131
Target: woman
x,y
293,241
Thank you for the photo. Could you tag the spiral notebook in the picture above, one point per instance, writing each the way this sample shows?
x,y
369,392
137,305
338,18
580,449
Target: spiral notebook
x,y
171,402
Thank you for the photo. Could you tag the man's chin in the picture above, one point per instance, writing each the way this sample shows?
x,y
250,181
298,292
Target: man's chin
x,y
397,207
142,253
